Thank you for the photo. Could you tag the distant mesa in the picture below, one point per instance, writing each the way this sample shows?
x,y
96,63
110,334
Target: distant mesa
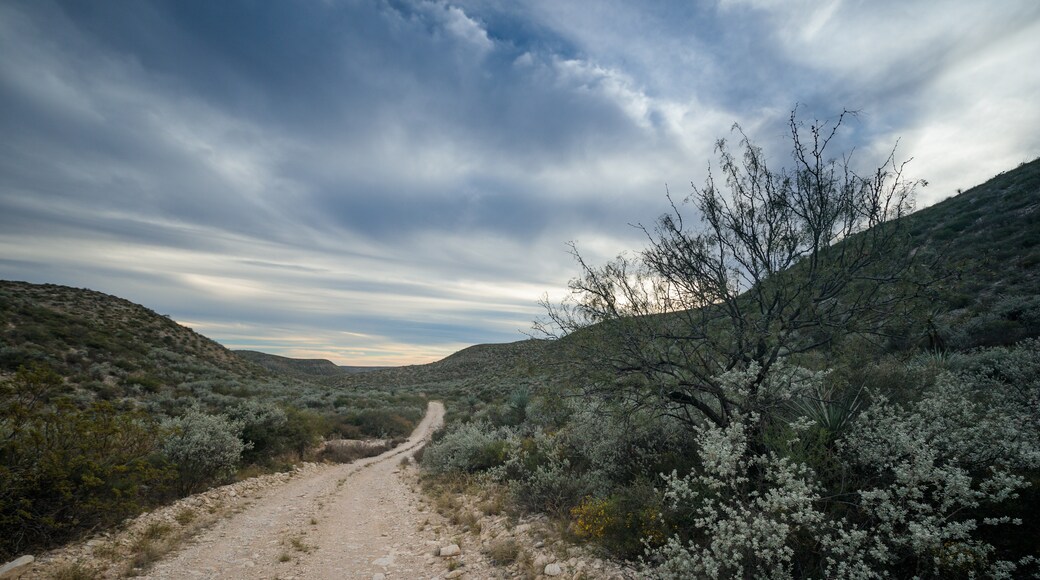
x,y
310,367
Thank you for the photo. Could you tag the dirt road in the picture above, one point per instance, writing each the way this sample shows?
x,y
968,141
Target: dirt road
x,y
350,521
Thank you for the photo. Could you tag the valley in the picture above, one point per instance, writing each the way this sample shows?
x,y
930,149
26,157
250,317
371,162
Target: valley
x,y
112,411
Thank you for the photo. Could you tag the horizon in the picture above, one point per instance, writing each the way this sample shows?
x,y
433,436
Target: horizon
x,y
383,184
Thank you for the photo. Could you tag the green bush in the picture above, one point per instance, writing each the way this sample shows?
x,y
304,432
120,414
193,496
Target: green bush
x,y
65,470
302,430
467,448
205,448
626,522
541,476
263,429
382,422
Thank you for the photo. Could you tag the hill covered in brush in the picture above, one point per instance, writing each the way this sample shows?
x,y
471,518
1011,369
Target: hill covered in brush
x,y
823,447
107,408
984,252
105,344
987,244
315,369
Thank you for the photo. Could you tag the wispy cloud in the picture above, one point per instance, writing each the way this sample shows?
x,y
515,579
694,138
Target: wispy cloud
x,y
384,182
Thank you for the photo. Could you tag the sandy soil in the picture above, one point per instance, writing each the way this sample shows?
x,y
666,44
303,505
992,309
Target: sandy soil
x,y
351,521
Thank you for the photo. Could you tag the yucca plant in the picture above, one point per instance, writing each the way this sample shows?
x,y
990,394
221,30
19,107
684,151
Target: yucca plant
x,y
830,406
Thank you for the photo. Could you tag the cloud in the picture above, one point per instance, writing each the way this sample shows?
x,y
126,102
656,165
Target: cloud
x,y
386,181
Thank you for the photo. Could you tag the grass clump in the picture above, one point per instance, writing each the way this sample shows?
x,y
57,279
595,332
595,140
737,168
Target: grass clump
x,y
75,571
297,543
143,554
504,551
157,530
186,516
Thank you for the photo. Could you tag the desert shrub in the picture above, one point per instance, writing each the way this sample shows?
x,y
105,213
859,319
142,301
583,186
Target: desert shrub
x,y
1006,321
963,452
513,411
148,382
302,430
466,448
549,412
418,454
541,477
381,422
75,571
745,513
918,486
623,448
625,522
12,357
347,451
205,448
1014,372
65,469
263,429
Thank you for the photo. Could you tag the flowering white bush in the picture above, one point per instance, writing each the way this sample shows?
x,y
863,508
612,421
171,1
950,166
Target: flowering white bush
x,y
917,482
747,510
928,466
783,383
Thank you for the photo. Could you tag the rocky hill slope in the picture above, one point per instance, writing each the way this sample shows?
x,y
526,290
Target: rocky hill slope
x,y
106,345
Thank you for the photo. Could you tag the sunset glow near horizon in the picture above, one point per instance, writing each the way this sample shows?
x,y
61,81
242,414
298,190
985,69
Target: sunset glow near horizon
x,y
386,182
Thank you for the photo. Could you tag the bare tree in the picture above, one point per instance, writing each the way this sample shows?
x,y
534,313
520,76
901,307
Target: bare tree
x,y
782,262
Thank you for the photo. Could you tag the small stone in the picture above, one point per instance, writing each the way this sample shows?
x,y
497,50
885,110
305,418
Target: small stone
x,y
16,567
539,544
455,573
385,561
379,576
553,569
450,550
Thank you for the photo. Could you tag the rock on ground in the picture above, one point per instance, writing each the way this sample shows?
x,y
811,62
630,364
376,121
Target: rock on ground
x,y
16,567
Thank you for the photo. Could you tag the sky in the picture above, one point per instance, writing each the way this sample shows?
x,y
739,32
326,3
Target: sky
x,y
385,182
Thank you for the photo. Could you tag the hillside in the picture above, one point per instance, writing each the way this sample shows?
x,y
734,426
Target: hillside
x,y
122,368
486,370
108,408
106,344
987,240
107,348
985,244
312,368
903,449
317,369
